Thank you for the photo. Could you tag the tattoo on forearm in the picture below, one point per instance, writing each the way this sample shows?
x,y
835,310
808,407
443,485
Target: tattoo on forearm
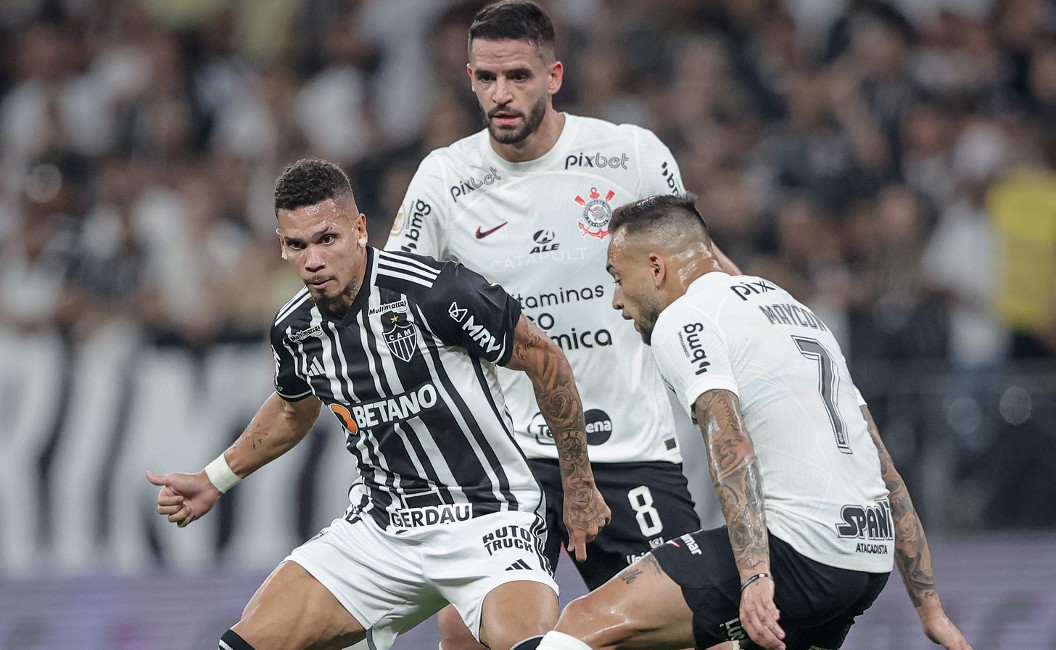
x,y
735,474
630,574
912,555
560,405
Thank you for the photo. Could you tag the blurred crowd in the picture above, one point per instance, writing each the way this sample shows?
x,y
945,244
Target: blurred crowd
x,y
892,163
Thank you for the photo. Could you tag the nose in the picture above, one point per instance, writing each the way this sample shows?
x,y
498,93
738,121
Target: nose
x,y
313,259
617,299
502,94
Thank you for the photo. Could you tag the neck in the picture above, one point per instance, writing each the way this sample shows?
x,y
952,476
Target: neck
x,y
536,145
686,268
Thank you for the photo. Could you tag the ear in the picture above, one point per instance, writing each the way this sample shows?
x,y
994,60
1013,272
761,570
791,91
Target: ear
x,y
469,72
281,246
557,75
658,269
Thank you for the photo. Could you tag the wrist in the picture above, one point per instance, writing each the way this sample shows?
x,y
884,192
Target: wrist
x,y
221,475
752,579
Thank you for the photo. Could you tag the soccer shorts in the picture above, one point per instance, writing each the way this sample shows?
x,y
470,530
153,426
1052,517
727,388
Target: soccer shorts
x,y
818,603
650,504
391,582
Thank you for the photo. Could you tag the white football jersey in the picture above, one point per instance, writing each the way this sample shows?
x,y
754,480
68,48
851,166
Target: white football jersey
x,y
540,229
820,469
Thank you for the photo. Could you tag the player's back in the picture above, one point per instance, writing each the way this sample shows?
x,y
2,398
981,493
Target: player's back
x,y
820,469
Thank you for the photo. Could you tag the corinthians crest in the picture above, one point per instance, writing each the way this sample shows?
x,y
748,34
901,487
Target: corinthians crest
x,y
596,213
400,336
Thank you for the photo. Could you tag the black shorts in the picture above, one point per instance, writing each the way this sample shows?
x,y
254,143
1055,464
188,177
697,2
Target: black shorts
x,y
818,603
650,505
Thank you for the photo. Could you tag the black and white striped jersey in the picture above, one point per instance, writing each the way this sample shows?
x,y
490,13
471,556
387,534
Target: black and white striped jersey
x,y
410,372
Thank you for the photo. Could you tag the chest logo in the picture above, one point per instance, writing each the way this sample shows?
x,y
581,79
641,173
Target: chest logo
x,y
400,336
594,221
481,233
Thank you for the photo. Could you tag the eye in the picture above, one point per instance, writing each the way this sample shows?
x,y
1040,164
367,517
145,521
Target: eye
x,y
295,245
327,238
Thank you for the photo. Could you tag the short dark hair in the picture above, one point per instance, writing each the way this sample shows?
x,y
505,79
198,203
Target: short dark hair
x,y
644,214
513,20
309,181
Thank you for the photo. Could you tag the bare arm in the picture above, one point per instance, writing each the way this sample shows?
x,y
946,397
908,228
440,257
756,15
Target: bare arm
x,y
912,555
555,391
276,428
735,474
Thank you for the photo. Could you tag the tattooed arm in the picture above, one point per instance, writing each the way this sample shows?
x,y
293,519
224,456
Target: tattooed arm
x,y
912,555
274,430
555,391
735,474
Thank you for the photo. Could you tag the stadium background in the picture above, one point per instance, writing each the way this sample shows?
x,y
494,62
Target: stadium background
x,y
891,163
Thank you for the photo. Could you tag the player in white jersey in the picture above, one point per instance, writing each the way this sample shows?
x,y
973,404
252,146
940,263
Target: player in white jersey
x,y
403,350
815,511
526,202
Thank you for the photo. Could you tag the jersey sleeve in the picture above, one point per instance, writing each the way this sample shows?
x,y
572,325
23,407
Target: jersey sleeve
x,y
659,173
470,312
289,383
691,355
418,226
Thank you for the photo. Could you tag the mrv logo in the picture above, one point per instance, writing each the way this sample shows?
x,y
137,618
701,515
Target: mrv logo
x,y
866,522
476,330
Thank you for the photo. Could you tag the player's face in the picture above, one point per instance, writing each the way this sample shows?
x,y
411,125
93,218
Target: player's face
x,y
322,243
513,82
635,293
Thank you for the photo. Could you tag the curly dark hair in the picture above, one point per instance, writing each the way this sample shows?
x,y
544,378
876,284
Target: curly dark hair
x,y
513,20
310,181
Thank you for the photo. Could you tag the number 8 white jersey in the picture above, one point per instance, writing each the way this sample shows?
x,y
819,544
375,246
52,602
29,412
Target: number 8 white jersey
x,y
540,229
820,470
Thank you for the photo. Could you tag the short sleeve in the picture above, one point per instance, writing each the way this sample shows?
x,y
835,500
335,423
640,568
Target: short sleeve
x,y
418,225
289,383
691,355
659,173
469,311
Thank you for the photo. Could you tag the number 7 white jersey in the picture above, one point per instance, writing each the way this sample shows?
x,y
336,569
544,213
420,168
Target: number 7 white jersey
x,y
821,479
540,229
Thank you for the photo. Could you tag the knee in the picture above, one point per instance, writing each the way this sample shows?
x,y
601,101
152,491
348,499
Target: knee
x,y
600,624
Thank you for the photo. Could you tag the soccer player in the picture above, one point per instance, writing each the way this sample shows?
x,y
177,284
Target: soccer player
x,y
403,350
526,202
815,511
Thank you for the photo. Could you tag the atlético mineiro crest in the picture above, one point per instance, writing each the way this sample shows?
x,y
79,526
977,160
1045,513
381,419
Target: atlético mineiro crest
x,y
596,213
400,336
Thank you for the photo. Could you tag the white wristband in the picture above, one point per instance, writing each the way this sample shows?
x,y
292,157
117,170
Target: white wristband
x,y
220,474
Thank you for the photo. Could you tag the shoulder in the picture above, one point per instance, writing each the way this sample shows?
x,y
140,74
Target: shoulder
x,y
461,153
407,272
296,312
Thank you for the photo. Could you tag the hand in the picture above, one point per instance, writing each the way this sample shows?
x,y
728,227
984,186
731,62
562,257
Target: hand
x,y
759,615
184,497
941,630
585,515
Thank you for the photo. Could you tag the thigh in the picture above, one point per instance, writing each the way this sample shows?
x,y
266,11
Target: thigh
x,y
650,505
375,576
292,609
467,561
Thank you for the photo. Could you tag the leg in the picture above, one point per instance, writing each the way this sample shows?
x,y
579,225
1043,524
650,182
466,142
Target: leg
x,y
292,610
515,611
640,608
454,635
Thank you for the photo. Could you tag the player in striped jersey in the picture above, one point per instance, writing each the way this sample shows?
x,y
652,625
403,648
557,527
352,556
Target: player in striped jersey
x,y
403,350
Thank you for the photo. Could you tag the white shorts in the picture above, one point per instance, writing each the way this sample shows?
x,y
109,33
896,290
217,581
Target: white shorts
x,y
392,582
